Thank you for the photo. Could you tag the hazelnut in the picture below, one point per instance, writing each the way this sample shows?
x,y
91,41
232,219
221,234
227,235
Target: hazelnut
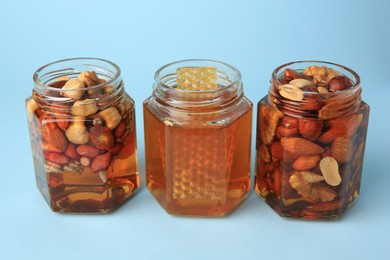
x,y
339,83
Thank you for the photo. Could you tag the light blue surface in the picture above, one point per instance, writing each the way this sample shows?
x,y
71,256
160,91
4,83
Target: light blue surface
x,y
140,36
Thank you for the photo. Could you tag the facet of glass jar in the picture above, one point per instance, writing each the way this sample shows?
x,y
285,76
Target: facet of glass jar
x,y
83,136
311,135
197,143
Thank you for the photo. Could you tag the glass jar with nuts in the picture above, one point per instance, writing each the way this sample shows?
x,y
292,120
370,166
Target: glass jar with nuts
x,y
311,134
82,131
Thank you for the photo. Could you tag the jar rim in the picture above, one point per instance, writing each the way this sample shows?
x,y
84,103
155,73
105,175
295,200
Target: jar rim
x,y
38,82
355,80
158,76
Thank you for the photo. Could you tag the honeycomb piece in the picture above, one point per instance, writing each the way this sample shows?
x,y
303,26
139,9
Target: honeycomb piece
x,y
197,78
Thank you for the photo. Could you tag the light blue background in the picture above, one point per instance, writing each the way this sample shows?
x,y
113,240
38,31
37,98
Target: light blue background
x,y
140,36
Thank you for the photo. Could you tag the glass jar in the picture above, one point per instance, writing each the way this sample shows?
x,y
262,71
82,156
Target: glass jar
x,y
198,143
82,130
311,134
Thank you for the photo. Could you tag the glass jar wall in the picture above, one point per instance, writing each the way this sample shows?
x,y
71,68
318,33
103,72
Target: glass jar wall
x,y
311,133
83,136
197,138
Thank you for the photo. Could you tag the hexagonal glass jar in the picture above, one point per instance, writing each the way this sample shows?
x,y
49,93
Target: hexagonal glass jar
x,y
197,143
83,138
311,135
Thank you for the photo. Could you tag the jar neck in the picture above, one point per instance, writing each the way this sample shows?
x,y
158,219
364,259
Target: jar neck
x,y
48,93
316,105
229,92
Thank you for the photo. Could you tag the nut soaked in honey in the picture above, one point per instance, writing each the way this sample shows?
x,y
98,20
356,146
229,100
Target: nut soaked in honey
x,y
83,138
198,158
311,135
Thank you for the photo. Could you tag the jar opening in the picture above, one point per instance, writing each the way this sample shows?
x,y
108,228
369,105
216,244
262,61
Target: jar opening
x,y
50,73
228,80
311,94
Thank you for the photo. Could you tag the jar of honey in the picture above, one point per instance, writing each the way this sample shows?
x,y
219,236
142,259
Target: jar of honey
x,y
82,131
311,134
198,138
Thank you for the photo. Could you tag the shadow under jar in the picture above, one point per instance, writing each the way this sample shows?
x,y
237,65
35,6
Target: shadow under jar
x,y
311,135
198,141
82,131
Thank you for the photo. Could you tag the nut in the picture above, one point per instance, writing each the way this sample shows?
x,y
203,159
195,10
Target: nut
x,y
101,137
290,74
111,117
301,83
58,83
85,161
84,107
120,129
87,151
322,90
89,78
291,92
101,162
63,122
77,132
283,131
269,119
305,163
264,153
31,108
339,83
307,185
310,129
116,149
300,147
56,158
321,75
330,170
52,136
71,152
340,127
72,89
340,149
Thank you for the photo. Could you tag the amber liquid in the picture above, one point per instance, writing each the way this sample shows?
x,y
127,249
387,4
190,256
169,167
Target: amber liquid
x,y
276,189
80,189
200,171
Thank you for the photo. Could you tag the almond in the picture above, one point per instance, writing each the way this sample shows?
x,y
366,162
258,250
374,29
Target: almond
x,y
120,129
116,149
62,123
290,122
87,151
283,131
101,137
330,170
101,162
276,151
52,135
310,129
300,147
341,149
278,181
305,163
56,158
290,74
331,135
71,152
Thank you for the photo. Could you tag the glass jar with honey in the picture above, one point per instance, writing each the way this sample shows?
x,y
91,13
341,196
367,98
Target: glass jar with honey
x,y
198,138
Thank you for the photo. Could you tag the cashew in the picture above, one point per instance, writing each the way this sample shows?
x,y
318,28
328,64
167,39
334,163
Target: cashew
x,y
31,108
77,132
111,117
84,107
72,88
